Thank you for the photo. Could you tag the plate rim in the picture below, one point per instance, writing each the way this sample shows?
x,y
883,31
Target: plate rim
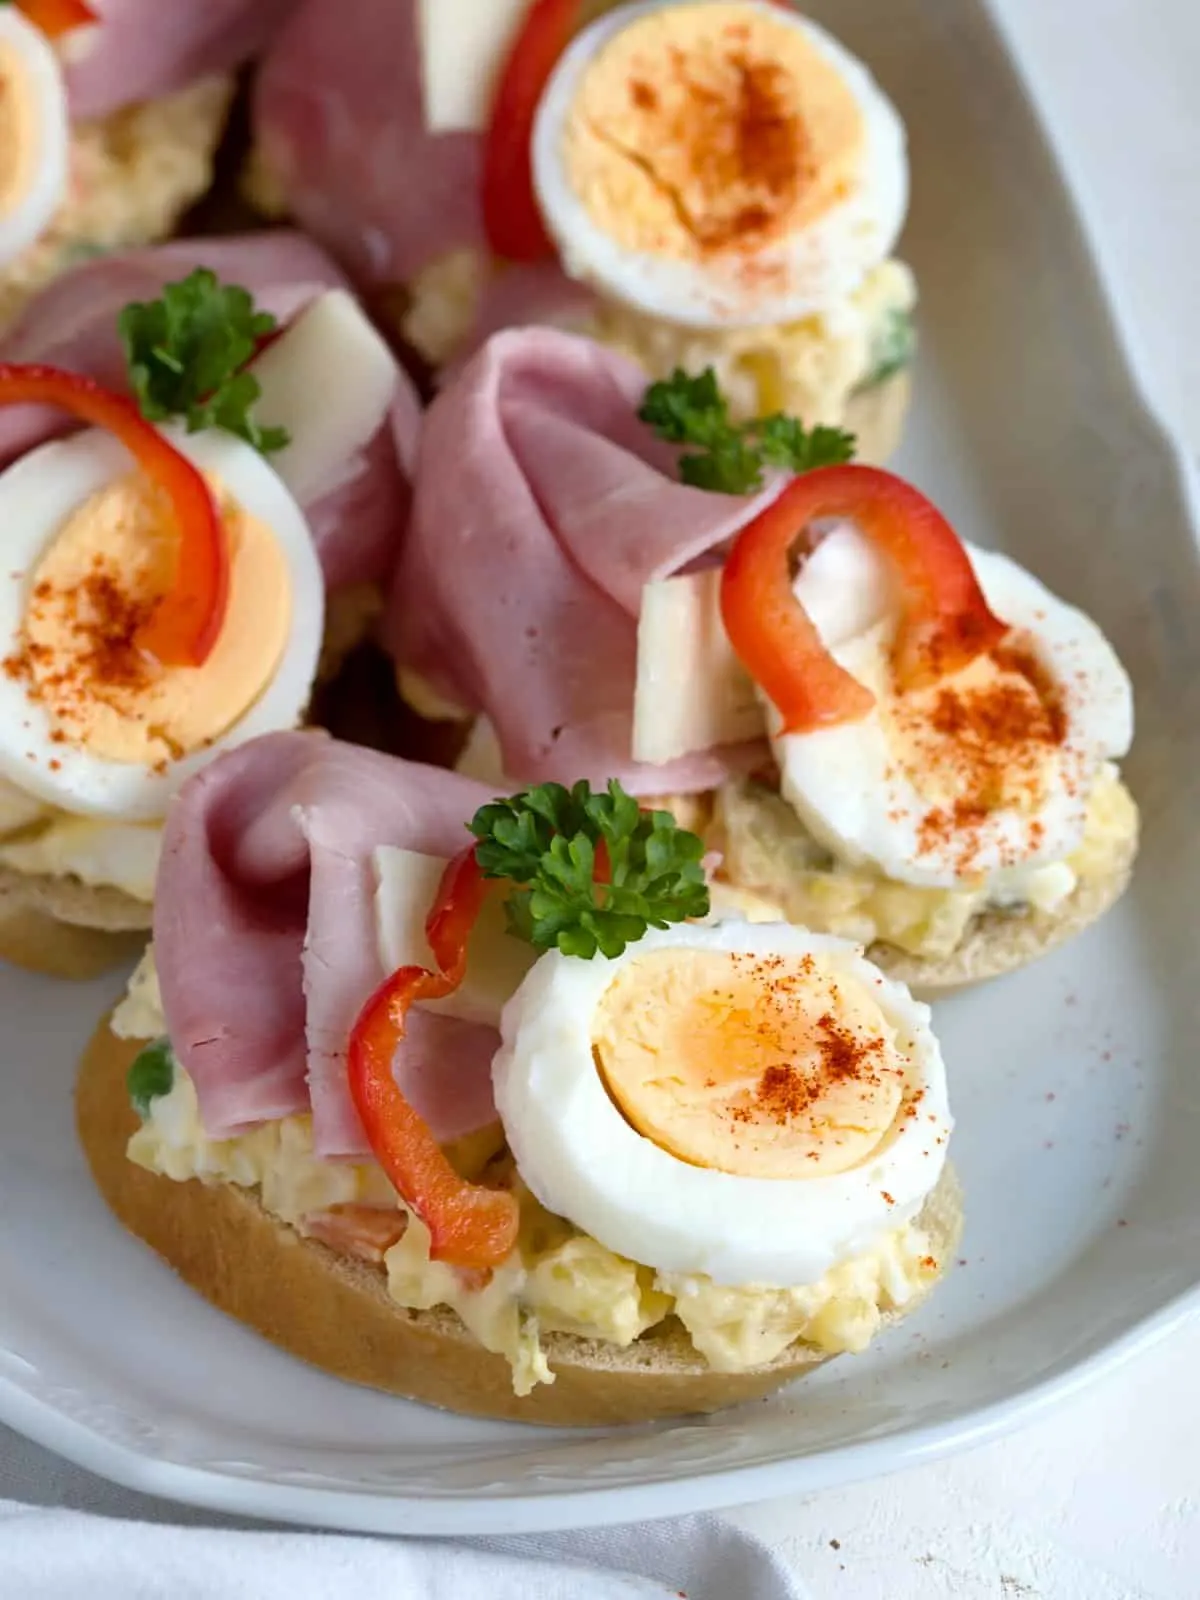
x,y
561,1510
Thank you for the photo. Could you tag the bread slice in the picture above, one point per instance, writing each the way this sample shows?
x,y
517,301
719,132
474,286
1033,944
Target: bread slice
x,y
336,1313
66,929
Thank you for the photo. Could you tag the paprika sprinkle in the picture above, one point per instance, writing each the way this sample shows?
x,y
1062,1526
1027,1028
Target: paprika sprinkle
x,y
710,130
80,653
992,737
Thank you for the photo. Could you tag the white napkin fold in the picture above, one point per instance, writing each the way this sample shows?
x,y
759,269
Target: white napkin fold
x,y
51,1554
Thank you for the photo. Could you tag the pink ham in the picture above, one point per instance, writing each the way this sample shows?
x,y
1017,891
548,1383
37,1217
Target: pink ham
x,y
542,508
339,118
358,522
264,935
140,49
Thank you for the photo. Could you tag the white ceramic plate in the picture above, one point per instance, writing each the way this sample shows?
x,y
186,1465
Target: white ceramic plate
x,y
1076,1083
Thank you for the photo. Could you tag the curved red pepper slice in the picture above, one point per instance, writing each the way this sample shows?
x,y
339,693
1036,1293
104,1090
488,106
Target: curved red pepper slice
x,y
469,1226
56,17
186,623
946,621
511,215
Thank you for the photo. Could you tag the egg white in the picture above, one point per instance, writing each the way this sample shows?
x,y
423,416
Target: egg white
x,y
820,265
23,222
585,1162
37,494
843,781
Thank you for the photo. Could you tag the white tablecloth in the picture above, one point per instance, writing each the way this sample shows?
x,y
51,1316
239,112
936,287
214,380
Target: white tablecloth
x,y
1101,1501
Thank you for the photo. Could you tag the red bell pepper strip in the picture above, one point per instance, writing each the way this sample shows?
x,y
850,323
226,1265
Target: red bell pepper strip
x,y
469,1226
946,621
185,625
56,17
511,215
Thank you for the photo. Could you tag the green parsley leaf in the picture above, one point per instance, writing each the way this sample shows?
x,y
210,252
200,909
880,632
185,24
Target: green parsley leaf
x,y
785,442
729,457
893,347
187,354
729,466
545,841
686,410
151,1076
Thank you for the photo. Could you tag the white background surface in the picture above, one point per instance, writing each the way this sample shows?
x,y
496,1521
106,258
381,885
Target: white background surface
x,y
1100,1501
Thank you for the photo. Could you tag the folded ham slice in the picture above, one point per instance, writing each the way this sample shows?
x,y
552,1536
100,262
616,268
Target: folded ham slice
x,y
358,520
542,508
339,121
264,935
140,49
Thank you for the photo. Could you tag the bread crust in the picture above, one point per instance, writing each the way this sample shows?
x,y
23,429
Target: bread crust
x,y
336,1314
64,929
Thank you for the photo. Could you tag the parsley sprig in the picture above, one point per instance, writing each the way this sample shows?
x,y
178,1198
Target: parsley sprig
x,y
546,841
729,457
187,355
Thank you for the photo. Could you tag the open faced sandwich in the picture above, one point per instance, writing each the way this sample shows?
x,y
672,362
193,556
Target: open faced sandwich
x,y
886,732
473,1099
181,568
696,184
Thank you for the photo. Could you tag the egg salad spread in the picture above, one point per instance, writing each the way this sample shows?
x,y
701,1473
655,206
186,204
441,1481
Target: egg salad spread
x,y
558,1279
133,174
810,368
40,841
767,851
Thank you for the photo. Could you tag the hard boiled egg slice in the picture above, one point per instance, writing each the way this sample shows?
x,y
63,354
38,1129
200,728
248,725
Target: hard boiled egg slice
x,y
979,775
718,164
750,1101
35,134
87,722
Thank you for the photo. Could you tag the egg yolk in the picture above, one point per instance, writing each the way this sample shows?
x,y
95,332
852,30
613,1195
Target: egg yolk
x,y
18,142
709,128
760,1066
91,593
992,737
